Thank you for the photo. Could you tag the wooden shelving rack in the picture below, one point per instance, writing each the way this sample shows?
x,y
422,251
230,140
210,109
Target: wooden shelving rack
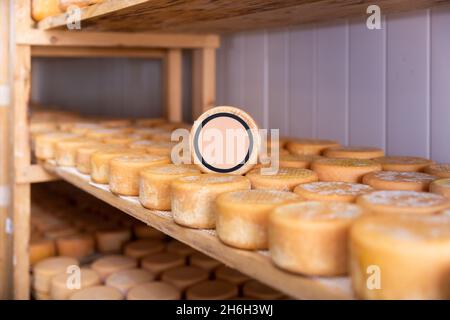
x,y
151,29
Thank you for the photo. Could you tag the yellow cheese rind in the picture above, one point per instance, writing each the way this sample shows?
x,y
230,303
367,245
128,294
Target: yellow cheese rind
x,y
45,143
331,191
442,187
354,152
398,180
408,164
309,146
286,179
344,169
441,170
41,249
45,270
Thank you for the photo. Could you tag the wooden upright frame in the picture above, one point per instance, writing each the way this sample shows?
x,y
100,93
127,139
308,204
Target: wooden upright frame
x,y
30,42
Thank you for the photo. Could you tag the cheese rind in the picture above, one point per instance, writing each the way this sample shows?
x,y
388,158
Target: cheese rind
x,y
401,257
241,216
45,143
76,246
441,170
442,187
45,270
124,280
212,290
309,146
143,247
257,290
112,240
184,277
180,248
143,231
230,275
66,151
62,285
203,261
83,156
344,169
154,188
159,262
110,264
155,290
285,180
193,197
354,152
398,180
97,293
408,164
41,9
41,249
331,191
312,237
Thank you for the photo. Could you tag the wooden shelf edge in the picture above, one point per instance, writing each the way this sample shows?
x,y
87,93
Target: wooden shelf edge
x,y
254,264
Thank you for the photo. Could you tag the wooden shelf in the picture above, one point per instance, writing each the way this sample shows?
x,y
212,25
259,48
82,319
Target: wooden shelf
x,y
255,264
223,15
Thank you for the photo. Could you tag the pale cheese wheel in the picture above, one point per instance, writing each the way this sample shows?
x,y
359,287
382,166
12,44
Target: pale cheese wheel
x,y
179,248
352,152
41,9
97,293
156,290
143,231
110,264
441,170
46,269
124,172
331,191
203,261
399,163
398,180
45,143
159,262
184,277
41,249
100,162
84,153
344,170
212,290
442,187
285,179
193,197
63,285
162,148
257,290
230,275
124,280
312,237
143,247
154,188
112,240
406,202
76,246
309,146
241,216
401,257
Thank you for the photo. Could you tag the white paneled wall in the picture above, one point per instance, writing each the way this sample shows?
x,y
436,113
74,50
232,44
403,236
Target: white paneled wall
x,y
388,88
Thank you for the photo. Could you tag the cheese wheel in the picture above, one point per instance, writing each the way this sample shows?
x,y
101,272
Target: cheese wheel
x,y
407,256
212,290
112,240
147,133
83,128
143,247
309,146
60,231
100,162
230,275
241,216
124,280
398,180
124,172
155,290
442,187
66,151
154,188
101,134
143,231
184,277
203,261
149,122
396,163
65,4
41,9
122,139
193,197
351,152
257,290
297,161
115,123
41,249
286,178
439,170
179,248
161,148
76,246
331,191
407,202
46,269
63,286
84,153
110,264
312,237
160,262
45,143
344,170
97,293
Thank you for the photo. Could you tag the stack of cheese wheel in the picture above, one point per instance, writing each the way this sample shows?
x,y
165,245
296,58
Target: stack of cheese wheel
x,y
41,249
286,179
65,284
401,257
45,270
193,197
312,237
242,216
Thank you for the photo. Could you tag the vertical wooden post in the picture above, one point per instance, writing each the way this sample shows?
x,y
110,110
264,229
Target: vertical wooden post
x,y
203,80
5,240
173,85
21,153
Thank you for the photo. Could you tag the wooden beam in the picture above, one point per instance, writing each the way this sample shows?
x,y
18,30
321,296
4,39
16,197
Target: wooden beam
x,y
116,39
173,85
90,52
204,80
34,174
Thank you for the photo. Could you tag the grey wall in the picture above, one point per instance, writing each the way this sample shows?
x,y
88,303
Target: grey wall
x,y
387,88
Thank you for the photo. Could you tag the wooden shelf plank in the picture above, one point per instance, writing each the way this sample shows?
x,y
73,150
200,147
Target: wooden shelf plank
x,y
255,264
223,15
